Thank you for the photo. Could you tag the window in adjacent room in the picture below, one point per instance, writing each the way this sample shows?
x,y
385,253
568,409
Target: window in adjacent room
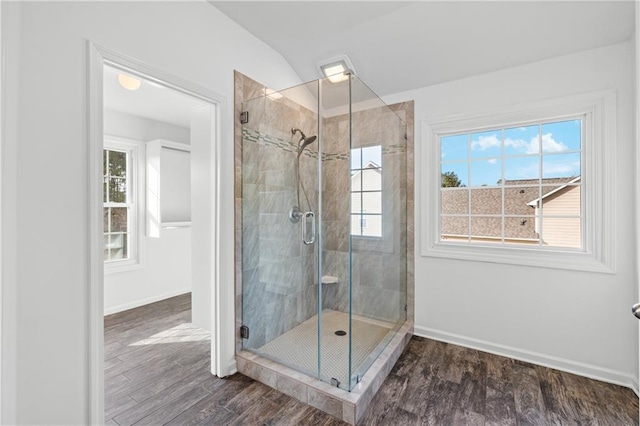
x,y
120,207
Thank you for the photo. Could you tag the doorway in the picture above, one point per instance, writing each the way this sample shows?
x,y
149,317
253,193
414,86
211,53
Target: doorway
x,y
127,210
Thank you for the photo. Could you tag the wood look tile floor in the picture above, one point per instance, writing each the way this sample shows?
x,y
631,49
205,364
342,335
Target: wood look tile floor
x,y
156,373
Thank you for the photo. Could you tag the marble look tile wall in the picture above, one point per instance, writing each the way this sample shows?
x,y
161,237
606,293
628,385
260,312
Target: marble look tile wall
x,y
379,265
405,111
275,282
277,268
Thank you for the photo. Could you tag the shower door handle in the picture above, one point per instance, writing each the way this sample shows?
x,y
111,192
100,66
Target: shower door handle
x,y
635,309
305,228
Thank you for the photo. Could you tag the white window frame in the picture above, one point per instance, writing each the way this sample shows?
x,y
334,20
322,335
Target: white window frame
x,y
362,213
135,150
598,181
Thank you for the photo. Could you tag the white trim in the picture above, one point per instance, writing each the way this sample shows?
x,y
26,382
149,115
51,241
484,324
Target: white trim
x,y
146,301
599,179
222,301
96,266
2,140
563,364
10,26
637,176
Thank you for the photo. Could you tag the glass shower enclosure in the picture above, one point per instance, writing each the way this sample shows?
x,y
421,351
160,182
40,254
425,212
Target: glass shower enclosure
x,y
324,232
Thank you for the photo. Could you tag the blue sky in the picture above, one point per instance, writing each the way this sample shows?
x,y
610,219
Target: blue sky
x,y
361,156
476,157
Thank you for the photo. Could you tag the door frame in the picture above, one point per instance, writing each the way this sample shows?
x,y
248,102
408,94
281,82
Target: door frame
x,y
98,57
636,383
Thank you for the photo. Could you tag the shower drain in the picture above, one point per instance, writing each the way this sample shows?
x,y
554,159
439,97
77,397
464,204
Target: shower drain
x,y
341,333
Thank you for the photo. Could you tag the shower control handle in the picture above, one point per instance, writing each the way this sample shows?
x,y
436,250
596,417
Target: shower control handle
x,y
305,228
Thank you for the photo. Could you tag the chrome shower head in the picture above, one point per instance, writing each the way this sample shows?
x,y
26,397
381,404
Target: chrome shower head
x,y
304,140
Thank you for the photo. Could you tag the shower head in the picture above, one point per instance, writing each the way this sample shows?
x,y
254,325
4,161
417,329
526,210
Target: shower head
x,y
304,140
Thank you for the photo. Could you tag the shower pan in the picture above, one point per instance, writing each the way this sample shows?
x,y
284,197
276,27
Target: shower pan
x,y
324,236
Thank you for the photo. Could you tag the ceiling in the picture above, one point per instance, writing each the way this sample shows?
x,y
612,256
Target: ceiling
x,y
151,100
397,46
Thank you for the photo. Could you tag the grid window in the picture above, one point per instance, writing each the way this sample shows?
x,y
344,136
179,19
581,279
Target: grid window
x,y
119,208
517,185
366,191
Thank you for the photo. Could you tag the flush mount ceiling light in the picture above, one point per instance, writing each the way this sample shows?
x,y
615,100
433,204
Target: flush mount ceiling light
x,y
334,69
128,82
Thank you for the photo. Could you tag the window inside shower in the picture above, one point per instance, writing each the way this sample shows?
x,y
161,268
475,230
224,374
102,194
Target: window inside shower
x,y
366,191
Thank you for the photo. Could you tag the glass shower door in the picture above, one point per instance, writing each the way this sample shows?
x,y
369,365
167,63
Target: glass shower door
x,y
363,180
335,320
378,167
280,161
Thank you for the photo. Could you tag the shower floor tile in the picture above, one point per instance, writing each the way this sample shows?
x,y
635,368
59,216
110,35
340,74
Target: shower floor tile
x,y
297,348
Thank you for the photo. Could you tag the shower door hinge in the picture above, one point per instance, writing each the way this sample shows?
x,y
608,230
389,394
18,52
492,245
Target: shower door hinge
x,y
405,308
244,332
244,117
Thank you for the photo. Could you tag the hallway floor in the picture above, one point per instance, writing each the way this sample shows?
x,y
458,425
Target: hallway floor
x,y
156,372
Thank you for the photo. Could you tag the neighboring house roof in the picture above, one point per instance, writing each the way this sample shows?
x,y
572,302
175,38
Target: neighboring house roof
x,y
488,201
369,165
535,202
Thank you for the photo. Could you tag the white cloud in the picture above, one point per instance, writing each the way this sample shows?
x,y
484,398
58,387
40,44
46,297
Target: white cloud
x,y
517,143
549,144
492,161
562,169
485,142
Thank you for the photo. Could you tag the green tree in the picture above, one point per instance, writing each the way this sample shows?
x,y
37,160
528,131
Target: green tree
x,y
115,175
451,180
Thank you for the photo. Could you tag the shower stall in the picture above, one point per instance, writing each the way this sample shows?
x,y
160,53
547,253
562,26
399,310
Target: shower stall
x,y
324,228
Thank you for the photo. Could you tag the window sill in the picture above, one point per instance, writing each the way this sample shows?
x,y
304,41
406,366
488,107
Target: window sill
x,y
125,266
364,243
175,225
547,258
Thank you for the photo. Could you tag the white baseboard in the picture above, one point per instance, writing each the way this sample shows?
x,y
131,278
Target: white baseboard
x,y
634,386
582,369
146,301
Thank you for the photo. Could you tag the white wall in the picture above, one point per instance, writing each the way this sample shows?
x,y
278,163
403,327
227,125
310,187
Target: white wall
x,y
118,123
201,209
45,276
10,28
570,320
166,261
165,272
